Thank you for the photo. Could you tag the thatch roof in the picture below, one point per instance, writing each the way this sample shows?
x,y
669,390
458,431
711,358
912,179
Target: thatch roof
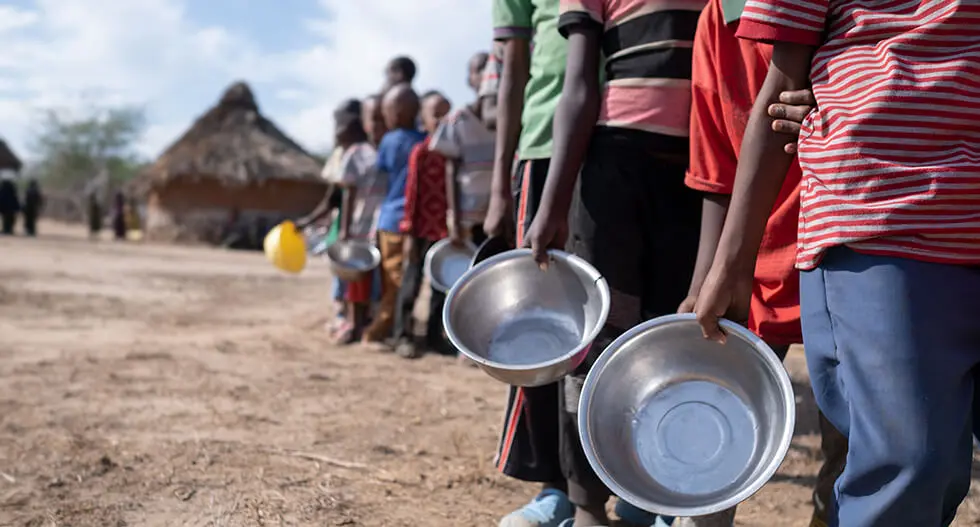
x,y
233,143
8,160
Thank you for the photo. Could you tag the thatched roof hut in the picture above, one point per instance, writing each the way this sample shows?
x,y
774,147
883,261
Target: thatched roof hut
x,y
232,162
8,160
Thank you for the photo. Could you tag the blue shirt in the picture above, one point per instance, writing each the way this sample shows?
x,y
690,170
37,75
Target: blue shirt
x,y
393,154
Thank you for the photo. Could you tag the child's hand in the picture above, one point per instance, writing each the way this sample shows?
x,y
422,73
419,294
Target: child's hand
x,y
724,294
548,231
687,306
788,114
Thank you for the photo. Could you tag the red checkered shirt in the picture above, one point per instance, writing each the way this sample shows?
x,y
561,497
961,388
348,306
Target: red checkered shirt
x,y
425,194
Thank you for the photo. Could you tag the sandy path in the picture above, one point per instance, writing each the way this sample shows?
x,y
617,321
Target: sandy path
x,y
149,385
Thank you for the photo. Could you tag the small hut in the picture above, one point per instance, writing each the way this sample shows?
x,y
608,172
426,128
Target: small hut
x,y
233,169
10,165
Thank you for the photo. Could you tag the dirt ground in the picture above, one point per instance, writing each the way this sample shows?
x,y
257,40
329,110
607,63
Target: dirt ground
x,y
153,385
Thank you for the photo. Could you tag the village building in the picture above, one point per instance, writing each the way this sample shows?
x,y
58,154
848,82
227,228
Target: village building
x,y
10,165
233,169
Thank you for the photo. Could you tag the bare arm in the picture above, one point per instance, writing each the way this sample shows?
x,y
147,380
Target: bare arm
x,y
452,199
347,211
762,168
510,106
713,212
321,211
488,107
575,118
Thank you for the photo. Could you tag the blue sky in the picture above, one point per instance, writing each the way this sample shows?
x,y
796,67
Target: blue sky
x,y
175,57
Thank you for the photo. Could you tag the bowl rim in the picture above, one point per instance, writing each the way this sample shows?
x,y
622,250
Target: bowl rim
x,y
430,255
598,280
375,253
772,465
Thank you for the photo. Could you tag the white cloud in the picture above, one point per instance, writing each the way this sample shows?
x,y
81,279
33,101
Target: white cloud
x,y
62,53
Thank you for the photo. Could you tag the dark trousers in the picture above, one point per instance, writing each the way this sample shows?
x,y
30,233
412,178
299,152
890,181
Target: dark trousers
x,y
894,357
636,221
528,448
30,223
409,293
9,219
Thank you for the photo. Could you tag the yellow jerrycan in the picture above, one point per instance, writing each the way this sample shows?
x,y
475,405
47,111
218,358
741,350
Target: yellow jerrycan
x,y
285,247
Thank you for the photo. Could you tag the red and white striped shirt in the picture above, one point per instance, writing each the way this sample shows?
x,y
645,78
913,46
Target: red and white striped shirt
x,y
891,160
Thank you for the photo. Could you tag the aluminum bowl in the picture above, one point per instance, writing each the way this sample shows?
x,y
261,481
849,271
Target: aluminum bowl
x,y
351,260
682,426
446,263
522,325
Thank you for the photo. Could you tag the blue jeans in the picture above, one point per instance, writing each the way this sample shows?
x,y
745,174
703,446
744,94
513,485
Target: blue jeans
x,y
893,346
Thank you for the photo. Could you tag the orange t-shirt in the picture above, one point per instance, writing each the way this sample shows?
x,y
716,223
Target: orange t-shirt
x,y
728,74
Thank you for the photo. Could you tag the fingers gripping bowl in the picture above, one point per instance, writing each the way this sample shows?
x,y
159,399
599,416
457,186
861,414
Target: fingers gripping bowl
x,y
683,426
522,325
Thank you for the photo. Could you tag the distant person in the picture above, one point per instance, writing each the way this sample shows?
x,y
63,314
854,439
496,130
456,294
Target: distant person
x,y
33,203
490,86
94,216
372,120
400,70
423,225
119,216
400,108
9,205
466,141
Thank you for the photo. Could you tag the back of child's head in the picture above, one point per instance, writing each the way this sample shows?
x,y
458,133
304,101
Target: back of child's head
x,y
477,64
400,107
400,70
348,127
435,106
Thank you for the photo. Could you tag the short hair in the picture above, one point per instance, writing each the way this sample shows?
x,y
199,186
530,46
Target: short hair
x,y
435,93
406,65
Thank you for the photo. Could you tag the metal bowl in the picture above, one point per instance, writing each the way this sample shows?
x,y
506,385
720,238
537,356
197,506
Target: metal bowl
x,y
351,260
446,263
522,325
682,426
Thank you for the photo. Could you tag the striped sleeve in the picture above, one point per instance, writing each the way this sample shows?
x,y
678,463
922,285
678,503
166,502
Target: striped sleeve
x,y
580,12
490,82
793,21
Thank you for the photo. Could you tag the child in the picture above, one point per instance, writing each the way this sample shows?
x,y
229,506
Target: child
x,y
372,120
490,86
423,225
726,76
363,191
633,218
529,86
468,144
888,244
400,108
400,70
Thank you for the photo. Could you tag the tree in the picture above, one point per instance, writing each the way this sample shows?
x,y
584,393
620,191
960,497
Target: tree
x,y
98,146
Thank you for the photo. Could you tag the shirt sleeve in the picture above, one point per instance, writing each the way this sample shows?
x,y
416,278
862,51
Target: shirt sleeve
x,y
714,158
580,12
445,140
792,21
351,168
512,19
411,187
490,83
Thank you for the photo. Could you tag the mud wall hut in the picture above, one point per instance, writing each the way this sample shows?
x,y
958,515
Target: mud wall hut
x,y
233,166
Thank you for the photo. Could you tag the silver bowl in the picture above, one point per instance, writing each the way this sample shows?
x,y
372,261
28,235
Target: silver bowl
x,y
446,263
351,260
522,325
682,426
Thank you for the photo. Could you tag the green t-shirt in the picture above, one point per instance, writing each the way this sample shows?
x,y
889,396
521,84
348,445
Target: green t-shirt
x,y
537,21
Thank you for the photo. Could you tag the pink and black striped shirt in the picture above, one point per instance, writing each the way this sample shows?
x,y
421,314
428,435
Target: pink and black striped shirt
x,y
891,160
647,49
